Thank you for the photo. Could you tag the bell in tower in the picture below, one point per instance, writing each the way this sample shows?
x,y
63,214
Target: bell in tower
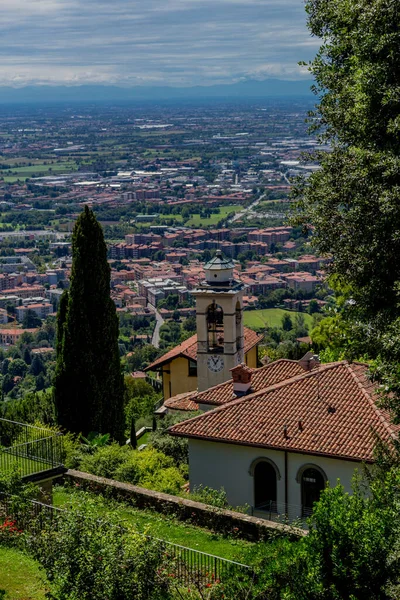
x,y
220,337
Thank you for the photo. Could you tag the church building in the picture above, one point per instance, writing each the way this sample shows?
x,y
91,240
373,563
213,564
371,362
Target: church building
x,y
221,341
271,436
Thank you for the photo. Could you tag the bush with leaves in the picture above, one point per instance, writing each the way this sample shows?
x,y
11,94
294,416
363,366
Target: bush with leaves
x,y
90,559
105,461
151,469
175,447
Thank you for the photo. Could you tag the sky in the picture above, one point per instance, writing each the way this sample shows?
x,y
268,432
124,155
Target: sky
x,y
151,42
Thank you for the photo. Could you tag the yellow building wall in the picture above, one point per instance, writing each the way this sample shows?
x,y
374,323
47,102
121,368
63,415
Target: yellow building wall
x,y
251,358
177,381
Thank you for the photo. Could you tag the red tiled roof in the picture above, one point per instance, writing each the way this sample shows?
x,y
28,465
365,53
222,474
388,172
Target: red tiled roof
x,y
182,402
329,411
262,378
188,348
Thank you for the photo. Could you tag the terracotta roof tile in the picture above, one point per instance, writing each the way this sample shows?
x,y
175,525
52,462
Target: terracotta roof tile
x,y
182,402
222,393
188,348
262,378
335,404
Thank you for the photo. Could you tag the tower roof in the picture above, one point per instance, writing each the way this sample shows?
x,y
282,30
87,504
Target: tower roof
x,y
219,263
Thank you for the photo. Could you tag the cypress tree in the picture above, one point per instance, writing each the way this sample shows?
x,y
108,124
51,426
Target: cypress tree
x,y
89,386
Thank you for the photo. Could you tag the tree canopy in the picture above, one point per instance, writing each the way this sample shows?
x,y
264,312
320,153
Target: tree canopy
x,y
89,388
352,203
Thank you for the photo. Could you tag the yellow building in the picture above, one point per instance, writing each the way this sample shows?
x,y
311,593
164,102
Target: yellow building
x,y
221,342
178,367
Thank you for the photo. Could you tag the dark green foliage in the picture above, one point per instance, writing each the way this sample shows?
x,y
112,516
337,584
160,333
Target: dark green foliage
x,y
17,368
37,365
175,447
353,202
287,323
31,408
88,383
31,320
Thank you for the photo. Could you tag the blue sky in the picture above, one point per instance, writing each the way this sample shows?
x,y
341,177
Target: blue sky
x,y
151,42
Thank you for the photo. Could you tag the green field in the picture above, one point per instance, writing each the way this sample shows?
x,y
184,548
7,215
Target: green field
x,y
224,211
162,526
21,577
271,317
37,170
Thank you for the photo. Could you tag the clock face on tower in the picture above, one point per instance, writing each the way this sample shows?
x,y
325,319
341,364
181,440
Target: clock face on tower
x,y
215,363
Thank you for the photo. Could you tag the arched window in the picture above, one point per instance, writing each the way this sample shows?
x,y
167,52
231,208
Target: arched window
x,y
215,328
265,475
313,480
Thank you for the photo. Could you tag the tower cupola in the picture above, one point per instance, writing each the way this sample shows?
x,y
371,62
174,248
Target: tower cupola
x,y
219,270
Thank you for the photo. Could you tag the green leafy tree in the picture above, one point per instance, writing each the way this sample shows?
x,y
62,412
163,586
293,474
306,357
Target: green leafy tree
x,y
88,385
31,320
17,368
353,202
287,324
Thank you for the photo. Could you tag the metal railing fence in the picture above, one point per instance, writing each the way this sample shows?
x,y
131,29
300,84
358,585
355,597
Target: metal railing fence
x,y
31,449
281,512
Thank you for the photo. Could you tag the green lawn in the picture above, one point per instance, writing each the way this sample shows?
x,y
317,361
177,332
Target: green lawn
x,y
163,526
9,463
271,317
177,218
197,220
21,577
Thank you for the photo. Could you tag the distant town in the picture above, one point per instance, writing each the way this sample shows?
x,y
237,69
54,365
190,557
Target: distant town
x,y
170,186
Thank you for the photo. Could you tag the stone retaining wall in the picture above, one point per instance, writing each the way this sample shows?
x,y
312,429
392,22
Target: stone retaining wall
x,y
197,513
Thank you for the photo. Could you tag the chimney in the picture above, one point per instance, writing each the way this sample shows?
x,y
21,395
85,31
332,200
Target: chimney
x,y
309,361
241,376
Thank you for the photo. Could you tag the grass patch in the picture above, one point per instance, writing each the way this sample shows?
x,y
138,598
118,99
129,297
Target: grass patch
x,y
197,220
38,170
271,317
161,526
26,466
21,577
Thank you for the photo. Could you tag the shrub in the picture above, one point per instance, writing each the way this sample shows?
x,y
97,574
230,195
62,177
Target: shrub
x,y
151,469
89,559
105,461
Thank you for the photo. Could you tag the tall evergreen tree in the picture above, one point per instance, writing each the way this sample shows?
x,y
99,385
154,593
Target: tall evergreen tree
x,y
88,386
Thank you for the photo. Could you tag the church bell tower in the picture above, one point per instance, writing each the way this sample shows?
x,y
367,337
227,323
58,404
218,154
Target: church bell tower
x,y
220,337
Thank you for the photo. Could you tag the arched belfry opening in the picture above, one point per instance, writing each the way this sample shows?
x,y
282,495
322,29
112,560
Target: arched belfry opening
x,y
239,326
215,328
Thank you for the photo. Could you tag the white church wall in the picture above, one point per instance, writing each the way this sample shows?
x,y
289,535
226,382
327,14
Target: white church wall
x,y
227,465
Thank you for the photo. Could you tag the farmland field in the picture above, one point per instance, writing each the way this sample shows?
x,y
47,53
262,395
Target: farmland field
x,y
271,317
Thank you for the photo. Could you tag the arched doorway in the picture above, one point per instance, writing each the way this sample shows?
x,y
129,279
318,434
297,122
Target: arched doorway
x,y
264,486
312,483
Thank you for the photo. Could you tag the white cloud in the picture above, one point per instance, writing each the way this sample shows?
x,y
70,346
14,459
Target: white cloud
x,y
174,42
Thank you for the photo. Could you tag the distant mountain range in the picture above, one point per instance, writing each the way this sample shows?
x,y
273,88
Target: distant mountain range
x,y
269,88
